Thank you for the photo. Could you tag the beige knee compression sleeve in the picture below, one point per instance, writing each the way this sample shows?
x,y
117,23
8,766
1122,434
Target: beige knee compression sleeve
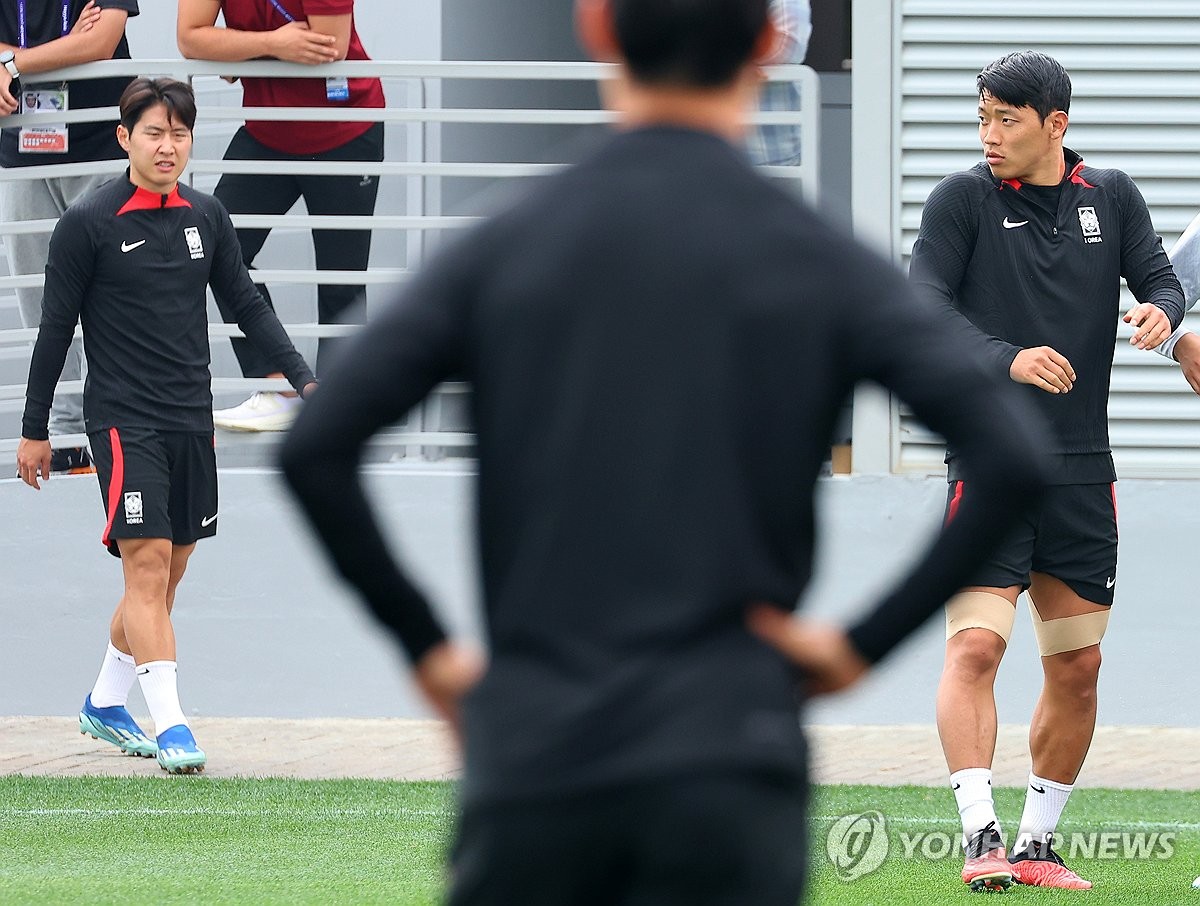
x,y
1068,633
980,610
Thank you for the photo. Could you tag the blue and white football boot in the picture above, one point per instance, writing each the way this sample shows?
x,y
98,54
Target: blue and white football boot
x,y
115,725
178,752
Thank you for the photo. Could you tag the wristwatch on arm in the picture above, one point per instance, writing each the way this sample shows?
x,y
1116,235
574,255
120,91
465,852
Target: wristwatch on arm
x,y
9,59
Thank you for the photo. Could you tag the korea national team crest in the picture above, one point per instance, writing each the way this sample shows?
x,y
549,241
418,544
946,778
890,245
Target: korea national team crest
x,y
1090,224
196,247
133,507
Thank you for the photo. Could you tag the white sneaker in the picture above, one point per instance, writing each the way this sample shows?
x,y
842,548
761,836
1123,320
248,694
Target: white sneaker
x,y
265,411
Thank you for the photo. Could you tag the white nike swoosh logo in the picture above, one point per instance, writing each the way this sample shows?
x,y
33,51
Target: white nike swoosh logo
x,y
208,520
1110,583
1009,225
130,246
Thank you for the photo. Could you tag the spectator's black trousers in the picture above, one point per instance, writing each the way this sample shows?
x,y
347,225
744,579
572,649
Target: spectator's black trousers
x,y
343,250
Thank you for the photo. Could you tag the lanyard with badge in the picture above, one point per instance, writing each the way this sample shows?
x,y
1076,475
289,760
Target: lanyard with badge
x,y
42,99
336,88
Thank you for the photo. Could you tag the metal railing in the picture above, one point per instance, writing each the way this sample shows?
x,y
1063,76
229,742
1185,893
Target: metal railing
x,y
422,168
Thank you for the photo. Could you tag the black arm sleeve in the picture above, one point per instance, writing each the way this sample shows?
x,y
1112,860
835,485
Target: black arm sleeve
x,y
939,262
254,316
68,275
1144,264
911,350
388,368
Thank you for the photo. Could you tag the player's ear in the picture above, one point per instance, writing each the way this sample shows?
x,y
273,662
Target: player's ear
x,y
123,137
596,30
1058,124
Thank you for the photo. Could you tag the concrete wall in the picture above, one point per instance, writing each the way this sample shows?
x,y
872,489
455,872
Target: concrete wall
x,y
265,629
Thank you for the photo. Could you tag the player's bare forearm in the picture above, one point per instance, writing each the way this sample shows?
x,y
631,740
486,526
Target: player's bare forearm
x,y
1187,354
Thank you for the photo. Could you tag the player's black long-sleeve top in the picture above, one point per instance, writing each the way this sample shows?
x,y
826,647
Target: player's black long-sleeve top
x,y
133,266
659,342
1014,266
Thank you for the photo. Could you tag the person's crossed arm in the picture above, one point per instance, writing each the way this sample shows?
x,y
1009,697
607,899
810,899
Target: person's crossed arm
x,y
311,42
94,36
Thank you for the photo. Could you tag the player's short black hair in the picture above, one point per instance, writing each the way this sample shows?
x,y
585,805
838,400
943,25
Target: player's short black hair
x,y
141,94
1027,78
688,43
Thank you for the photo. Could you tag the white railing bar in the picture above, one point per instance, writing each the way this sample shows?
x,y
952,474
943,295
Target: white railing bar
x,y
363,222
53,171
424,69
304,167
18,335
305,221
360,168
534,116
383,439
10,393
380,276
511,115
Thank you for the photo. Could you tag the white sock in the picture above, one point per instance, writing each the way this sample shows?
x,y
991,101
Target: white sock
x,y
1044,804
158,682
115,680
973,792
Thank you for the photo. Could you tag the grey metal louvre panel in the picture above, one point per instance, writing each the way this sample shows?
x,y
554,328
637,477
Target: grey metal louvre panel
x,y
1135,68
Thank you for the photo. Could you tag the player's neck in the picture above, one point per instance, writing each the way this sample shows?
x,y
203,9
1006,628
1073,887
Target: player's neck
x,y
1049,172
721,111
156,188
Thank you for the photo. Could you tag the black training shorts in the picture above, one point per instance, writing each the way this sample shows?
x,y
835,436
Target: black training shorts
x,y
736,837
1070,534
156,484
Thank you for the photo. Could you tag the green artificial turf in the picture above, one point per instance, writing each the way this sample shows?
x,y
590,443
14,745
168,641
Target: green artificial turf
x,y
1121,820
193,840
198,840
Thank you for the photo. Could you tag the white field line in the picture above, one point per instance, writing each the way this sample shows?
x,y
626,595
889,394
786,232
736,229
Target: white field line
x,y
445,813
953,827
316,814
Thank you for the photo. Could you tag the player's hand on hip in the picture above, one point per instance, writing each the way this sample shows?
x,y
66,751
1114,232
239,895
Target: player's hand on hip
x,y
297,43
1151,325
447,672
1187,354
824,653
33,457
1044,368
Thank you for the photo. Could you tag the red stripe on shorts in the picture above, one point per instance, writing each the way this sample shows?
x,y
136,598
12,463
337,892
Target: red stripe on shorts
x,y
952,511
115,482
1113,487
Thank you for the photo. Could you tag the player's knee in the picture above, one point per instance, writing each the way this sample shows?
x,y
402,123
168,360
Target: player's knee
x,y
974,653
1075,671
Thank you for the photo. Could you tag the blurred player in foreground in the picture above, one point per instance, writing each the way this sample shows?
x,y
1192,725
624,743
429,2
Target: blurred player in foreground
x,y
659,342
131,260
1024,255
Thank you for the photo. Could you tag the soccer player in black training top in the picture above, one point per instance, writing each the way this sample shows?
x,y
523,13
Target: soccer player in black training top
x,y
131,260
656,372
1024,254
